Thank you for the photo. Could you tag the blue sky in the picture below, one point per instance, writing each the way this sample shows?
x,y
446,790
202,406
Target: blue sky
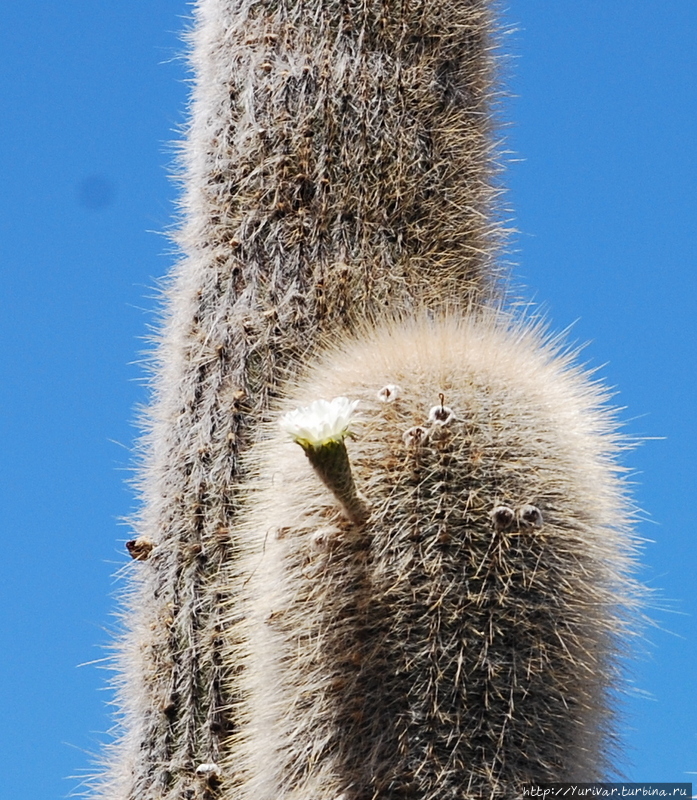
x,y
604,193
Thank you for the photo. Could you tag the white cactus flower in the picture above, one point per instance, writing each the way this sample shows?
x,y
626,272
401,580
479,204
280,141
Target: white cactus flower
x,y
320,423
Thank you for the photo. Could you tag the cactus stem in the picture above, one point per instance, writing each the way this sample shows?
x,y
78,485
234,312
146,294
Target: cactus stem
x,y
331,463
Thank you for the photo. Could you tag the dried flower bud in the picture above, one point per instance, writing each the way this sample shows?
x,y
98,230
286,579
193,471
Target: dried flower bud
x,y
502,517
139,549
389,393
442,414
208,771
415,436
530,517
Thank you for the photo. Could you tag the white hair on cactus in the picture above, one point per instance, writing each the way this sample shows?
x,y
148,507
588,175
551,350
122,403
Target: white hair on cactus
x,y
389,393
208,770
321,422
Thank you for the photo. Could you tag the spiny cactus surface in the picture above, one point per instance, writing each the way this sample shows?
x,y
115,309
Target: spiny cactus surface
x,y
338,166
345,157
466,638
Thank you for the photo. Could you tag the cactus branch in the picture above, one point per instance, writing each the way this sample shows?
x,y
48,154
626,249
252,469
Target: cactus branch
x,y
469,641
338,167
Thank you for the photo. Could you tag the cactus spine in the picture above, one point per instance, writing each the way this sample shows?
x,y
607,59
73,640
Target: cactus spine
x,y
338,162
465,640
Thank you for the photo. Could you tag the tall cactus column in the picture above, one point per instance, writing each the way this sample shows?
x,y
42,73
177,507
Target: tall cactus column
x,y
337,167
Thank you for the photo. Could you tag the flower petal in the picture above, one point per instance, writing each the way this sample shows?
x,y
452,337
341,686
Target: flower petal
x,y
321,422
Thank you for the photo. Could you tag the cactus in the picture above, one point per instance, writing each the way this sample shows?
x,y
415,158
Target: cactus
x,y
434,608
338,165
464,639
